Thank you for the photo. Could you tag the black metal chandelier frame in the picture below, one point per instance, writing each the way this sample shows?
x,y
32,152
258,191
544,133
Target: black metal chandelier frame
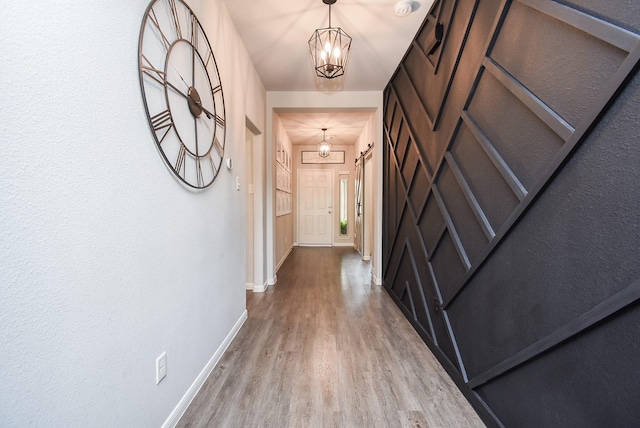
x,y
329,48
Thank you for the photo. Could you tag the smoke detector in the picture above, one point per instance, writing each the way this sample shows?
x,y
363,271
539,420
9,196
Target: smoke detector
x,y
404,8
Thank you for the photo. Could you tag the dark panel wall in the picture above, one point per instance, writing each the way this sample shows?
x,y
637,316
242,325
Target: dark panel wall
x,y
512,205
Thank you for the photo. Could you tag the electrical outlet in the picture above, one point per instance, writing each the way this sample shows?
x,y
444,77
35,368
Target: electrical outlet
x,y
161,367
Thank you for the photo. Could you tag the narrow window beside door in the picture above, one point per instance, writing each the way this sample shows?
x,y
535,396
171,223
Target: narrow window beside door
x,y
344,186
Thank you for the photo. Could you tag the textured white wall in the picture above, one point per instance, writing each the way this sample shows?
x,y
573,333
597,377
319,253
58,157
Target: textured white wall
x,y
105,259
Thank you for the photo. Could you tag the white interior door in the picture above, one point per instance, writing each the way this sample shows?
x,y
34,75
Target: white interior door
x,y
315,213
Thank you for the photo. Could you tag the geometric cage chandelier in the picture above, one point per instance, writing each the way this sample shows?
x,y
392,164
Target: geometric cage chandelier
x,y
329,49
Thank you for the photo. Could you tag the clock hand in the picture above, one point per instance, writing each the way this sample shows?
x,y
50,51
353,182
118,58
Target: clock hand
x,y
180,76
178,91
207,112
188,98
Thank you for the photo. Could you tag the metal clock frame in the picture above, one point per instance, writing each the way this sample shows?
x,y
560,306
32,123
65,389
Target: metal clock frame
x,y
162,123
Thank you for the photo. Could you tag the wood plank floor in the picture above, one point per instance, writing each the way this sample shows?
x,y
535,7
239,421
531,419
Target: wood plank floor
x,y
327,348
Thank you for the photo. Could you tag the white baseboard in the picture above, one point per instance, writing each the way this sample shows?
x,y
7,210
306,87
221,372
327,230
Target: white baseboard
x,y
272,281
249,285
343,244
260,288
366,258
376,280
182,406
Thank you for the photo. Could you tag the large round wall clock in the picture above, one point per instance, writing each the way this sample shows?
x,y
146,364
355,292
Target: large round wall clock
x,y
182,92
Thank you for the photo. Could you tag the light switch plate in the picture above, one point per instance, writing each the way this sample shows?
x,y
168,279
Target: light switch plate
x,y
161,367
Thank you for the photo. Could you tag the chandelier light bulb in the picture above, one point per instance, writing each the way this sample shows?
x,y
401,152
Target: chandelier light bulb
x,y
324,150
324,147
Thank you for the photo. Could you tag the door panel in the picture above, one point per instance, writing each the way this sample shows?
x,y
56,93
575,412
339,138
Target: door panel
x,y
315,207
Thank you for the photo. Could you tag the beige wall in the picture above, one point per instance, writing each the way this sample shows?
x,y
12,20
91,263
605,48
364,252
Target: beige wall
x,y
283,233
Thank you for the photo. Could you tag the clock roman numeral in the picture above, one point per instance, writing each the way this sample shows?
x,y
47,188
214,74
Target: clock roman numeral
x,y
208,58
217,89
149,70
194,32
218,147
219,121
199,176
162,121
180,166
154,21
214,171
175,18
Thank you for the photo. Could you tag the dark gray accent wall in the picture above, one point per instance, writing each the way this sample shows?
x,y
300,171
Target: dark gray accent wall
x,y
511,237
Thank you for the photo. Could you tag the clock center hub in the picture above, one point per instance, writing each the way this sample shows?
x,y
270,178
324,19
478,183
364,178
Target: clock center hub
x,y
194,101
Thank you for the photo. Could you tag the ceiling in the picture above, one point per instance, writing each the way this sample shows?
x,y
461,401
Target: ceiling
x,y
276,35
305,127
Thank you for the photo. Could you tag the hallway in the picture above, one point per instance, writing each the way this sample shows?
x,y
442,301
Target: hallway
x,y
327,348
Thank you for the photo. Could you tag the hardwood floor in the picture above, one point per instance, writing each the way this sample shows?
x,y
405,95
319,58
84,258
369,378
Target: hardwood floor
x,y
327,348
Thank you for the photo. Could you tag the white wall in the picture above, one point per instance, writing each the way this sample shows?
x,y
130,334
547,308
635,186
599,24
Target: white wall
x,y
105,259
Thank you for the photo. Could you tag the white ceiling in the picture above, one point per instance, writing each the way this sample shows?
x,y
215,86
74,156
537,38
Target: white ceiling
x,y
305,127
276,35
